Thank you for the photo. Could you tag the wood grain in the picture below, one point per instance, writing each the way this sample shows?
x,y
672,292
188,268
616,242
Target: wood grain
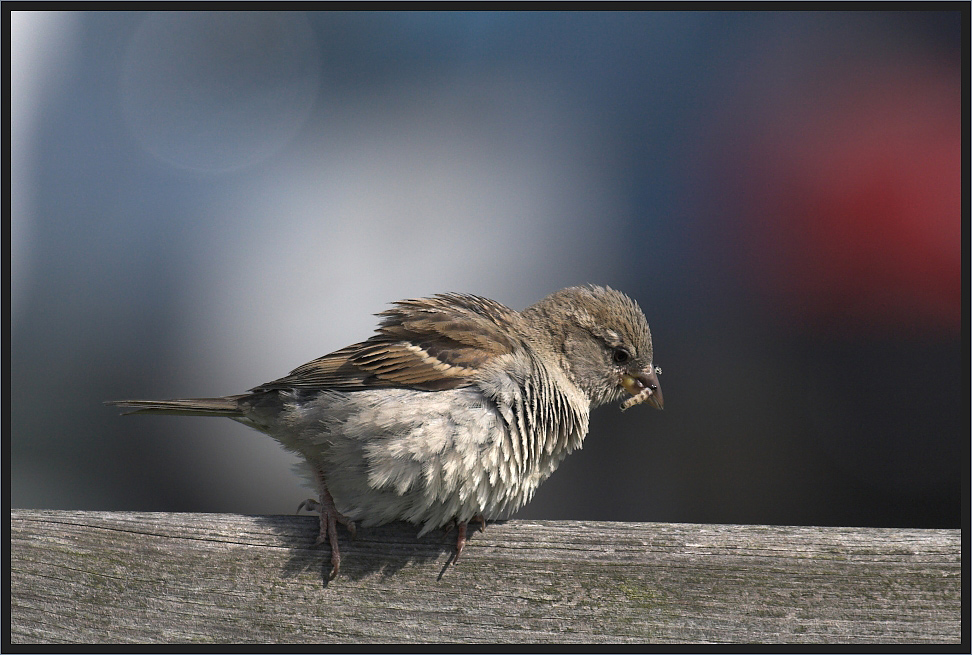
x,y
156,577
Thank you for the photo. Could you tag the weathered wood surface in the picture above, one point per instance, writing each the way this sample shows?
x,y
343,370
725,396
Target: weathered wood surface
x,y
153,577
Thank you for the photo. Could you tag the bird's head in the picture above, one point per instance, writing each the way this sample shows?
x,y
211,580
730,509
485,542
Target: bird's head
x,y
603,339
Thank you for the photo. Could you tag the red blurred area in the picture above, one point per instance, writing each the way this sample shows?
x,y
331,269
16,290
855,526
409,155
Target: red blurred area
x,y
853,203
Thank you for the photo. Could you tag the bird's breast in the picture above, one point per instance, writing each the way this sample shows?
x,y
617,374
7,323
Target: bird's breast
x,y
431,456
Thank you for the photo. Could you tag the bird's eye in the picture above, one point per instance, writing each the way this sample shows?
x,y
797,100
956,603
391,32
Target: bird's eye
x,y
620,356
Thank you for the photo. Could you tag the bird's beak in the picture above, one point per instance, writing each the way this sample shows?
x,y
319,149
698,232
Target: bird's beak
x,y
643,387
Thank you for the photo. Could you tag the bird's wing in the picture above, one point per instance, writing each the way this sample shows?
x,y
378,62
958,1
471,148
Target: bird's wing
x,y
429,343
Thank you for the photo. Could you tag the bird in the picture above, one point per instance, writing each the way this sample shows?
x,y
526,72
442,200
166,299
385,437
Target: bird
x,y
453,411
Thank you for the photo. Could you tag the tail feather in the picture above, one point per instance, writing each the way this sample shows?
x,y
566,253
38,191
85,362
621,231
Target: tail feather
x,y
226,406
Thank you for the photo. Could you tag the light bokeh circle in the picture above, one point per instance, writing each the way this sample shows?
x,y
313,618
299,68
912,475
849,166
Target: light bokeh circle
x,y
219,91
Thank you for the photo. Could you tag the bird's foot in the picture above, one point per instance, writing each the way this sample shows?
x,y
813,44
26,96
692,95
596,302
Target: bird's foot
x,y
460,543
463,527
329,518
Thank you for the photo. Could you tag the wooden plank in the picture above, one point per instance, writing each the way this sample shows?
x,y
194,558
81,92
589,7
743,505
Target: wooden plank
x,y
157,577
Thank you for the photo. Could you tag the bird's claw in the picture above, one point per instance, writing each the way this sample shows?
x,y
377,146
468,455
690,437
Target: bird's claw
x,y
329,518
460,543
463,527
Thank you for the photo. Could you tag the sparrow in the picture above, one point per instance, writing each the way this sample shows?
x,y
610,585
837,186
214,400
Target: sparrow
x,y
454,410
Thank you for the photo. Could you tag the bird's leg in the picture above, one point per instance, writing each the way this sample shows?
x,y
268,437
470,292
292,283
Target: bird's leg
x,y
461,542
463,527
329,518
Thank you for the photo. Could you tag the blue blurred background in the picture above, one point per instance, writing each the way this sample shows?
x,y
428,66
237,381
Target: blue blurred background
x,y
202,202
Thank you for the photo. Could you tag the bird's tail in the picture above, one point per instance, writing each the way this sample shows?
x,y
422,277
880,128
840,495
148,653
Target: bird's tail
x,y
227,406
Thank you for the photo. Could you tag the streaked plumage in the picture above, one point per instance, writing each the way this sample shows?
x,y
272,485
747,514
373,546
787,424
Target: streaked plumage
x,y
456,409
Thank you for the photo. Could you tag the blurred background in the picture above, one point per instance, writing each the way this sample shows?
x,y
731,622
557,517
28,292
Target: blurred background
x,y
202,202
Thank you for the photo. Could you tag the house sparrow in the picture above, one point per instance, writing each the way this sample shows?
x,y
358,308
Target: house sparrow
x,y
455,410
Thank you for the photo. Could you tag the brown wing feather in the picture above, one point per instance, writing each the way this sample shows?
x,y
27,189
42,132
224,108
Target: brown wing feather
x,y
429,343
